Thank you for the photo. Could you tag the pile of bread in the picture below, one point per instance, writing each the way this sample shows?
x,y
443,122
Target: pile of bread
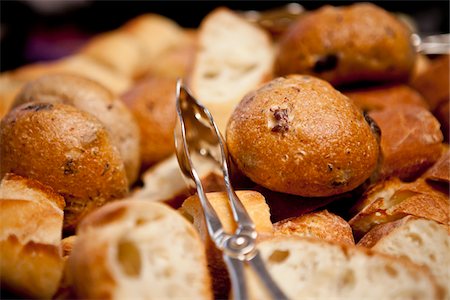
x,y
337,131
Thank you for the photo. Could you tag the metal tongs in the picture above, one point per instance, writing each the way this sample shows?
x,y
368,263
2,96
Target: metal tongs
x,y
197,136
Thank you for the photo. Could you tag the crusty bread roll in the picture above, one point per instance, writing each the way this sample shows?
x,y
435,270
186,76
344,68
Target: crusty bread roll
x,y
313,269
31,214
233,58
93,98
358,42
256,207
392,200
424,242
138,250
410,140
320,224
164,182
380,97
152,102
67,149
298,135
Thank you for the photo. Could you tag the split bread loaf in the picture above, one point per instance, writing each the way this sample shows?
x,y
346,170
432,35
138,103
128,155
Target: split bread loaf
x,y
134,249
313,269
424,242
31,258
233,58
95,99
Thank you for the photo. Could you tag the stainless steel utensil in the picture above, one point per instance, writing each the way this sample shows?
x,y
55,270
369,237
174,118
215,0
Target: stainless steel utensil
x,y
197,136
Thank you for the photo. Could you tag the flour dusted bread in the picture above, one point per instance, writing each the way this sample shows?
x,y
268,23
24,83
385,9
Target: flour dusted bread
x,y
67,149
312,269
93,98
140,250
320,224
233,58
423,241
298,135
31,258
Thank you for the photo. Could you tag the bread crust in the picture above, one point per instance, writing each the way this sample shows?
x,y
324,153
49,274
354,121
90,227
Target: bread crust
x,y
298,135
93,98
359,42
64,148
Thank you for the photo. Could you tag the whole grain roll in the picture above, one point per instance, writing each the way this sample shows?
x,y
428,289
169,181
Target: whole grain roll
x,y
359,42
152,101
298,135
67,149
93,98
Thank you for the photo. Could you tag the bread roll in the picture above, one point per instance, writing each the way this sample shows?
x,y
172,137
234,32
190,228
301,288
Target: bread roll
x,y
233,58
321,225
152,102
31,214
313,269
381,97
258,211
67,149
410,141
392,200
424,242
342,45
93,98
300,136
139,250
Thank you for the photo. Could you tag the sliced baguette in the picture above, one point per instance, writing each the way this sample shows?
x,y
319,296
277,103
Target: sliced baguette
x,y
424,242
233,58
135,249
313,269
320,224
31,214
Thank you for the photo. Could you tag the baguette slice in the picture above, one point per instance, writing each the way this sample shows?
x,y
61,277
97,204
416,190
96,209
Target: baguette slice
x,y
424,242
233,58
320,224
31,214
313,269
256,207
134,249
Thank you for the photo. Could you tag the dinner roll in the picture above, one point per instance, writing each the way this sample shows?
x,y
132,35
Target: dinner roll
x,y
67,149
93,98
300,136
359,42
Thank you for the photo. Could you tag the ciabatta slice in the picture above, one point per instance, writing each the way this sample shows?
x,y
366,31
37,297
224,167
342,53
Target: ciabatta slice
x,y
233,58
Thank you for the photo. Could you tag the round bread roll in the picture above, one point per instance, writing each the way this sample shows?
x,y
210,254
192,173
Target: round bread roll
x,y
91,97
360,42
300,136
152,101
67,149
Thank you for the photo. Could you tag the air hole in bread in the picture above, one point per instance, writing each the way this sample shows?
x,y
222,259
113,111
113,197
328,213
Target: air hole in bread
x,y
140,222
432,257
348,279
129,258
415,238
211,74
278,256
391,271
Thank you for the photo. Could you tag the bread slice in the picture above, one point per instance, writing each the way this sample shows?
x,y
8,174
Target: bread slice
x,y
256,207
31,214
320,224
392,200
233,58
424,242
164,182
133,249
313,269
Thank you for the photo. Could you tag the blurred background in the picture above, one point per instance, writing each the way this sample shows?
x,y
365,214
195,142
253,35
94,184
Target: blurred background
x,y
39,30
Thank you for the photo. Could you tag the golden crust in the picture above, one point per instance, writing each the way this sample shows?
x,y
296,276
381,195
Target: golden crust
x,y
95,99
321,224
440,171
152,101
359,42
300,136
67,149
410,140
